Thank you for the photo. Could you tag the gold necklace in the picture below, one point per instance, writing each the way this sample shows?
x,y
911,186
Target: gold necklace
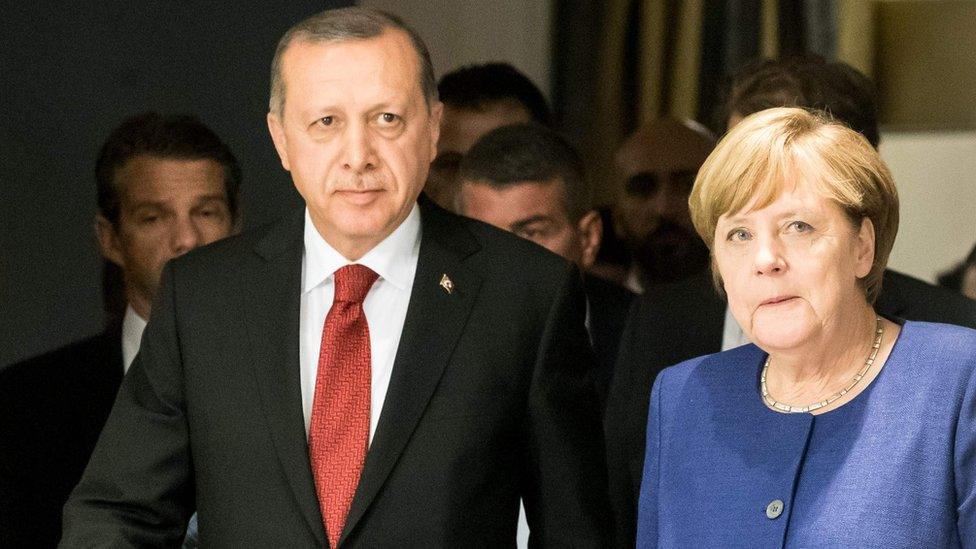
x,y
772,404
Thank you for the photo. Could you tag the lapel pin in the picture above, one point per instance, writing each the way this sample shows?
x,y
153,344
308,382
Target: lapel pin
x,y
447,284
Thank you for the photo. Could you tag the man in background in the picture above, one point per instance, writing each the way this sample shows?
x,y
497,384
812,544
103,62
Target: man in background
x,y
690,318
166,184
528,180
478,99
658,163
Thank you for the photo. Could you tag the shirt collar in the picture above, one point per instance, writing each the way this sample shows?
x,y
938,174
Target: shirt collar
x,y
132,328
394,259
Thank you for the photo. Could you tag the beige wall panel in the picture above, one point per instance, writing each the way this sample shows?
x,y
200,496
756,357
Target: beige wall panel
x,y
461,32
936,178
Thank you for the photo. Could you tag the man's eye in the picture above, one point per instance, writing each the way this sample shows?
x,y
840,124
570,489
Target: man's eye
x,y
388,118
327,120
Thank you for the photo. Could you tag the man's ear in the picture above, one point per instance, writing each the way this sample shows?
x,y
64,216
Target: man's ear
x,y
108,241
865,248
277,130
589,230
436,113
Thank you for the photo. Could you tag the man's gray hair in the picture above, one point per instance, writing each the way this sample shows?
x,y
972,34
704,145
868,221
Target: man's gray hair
x,y
340,25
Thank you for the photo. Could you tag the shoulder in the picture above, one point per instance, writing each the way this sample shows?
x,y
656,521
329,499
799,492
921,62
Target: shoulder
x,y
605,291
89,370
942,345
913,299
496,255
728,371
692,297
59,362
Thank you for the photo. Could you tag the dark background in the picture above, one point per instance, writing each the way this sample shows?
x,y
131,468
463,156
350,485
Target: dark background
x,y
69,73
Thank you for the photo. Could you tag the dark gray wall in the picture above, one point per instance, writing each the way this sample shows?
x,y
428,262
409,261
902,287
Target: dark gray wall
x,y
69,73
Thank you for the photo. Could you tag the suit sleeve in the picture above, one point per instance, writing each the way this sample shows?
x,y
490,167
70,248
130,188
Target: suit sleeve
x,y
136,491
565,491
624,425
965,463
647,507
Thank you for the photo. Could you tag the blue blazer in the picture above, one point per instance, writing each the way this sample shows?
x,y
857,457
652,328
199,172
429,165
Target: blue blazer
x,y
895,467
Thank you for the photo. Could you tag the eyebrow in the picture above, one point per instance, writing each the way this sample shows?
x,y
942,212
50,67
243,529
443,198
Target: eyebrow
x,y
160,205
523,223
740,219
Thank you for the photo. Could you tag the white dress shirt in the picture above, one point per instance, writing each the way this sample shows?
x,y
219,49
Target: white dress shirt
x,y
132,328
395,261
732,334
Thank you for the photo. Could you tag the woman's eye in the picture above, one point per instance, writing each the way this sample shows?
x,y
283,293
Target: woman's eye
x,y
327,120
801,226
738,235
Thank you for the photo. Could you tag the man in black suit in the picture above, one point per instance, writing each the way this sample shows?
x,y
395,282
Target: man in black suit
x,y
689,318
526,179
460,379
166,184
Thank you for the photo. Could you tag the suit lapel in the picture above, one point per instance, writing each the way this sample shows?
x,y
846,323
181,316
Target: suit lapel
x,y
435,320
272,308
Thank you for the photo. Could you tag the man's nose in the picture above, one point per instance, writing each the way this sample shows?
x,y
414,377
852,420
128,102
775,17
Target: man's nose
x,y
186,235
358,153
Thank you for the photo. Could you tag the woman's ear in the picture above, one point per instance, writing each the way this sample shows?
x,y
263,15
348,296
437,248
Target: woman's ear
x,y
865,248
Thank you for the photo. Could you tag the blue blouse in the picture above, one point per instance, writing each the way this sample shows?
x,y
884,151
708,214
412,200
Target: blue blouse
x,y
894,467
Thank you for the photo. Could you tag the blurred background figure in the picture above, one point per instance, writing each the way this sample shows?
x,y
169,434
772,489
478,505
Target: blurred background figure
x,y
528,180
166,184
962,277
658,164
478,99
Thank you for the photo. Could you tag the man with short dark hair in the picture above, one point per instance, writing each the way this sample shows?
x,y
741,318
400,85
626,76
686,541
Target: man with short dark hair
x,y
370,371
528,180
166,184
688,319
478,99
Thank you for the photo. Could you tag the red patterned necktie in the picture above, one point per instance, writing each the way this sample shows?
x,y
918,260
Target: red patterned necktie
x,y
338,433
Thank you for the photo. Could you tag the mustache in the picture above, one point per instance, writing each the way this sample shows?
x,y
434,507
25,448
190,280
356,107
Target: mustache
x,y
359,182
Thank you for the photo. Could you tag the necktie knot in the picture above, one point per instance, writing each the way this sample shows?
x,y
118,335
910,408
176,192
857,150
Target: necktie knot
x,y
353,282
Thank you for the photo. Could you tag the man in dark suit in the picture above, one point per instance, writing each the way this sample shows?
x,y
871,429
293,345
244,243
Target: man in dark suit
x,y
689,318
526,179
166,184
369,372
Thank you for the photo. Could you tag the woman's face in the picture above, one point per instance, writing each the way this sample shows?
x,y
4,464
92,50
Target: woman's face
x,y
791,269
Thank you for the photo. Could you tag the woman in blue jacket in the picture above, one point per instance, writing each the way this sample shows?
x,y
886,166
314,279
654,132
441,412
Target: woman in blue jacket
x,y
837,427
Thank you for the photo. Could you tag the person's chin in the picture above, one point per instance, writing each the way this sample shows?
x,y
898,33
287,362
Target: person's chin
x,y
783,325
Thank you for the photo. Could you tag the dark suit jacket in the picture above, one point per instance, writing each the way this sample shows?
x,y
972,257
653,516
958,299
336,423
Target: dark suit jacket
x,y
674,323
609,304
52,409
491,398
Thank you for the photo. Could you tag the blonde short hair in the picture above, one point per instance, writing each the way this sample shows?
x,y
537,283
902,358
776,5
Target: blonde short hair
x,y
771,149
